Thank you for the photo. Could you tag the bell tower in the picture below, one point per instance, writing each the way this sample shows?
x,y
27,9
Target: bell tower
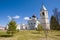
x,y
44,18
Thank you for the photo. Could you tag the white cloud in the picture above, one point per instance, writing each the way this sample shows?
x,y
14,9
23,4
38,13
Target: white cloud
x,y
16,17
26,18
9,17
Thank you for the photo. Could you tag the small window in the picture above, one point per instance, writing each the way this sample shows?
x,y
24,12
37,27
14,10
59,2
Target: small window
x,y
31,23
34,23
43,13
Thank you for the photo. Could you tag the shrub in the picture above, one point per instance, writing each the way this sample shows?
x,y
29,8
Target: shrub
x,y
11,27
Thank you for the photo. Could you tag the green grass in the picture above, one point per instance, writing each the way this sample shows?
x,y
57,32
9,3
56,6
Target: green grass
x,y
32,35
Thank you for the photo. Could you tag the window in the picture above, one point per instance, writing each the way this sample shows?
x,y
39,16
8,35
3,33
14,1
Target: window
x,y
34,23
31,23
43,13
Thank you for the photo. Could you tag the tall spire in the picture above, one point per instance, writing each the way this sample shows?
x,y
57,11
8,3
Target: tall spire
x,y
42,2
43,7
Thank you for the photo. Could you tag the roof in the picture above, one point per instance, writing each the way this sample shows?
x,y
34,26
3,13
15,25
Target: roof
x,y
34,16
44,8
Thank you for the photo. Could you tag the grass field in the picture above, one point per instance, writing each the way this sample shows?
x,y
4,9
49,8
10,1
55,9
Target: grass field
x,y
32,35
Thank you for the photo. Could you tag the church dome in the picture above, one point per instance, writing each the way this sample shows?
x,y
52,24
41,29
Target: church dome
x,y
34,16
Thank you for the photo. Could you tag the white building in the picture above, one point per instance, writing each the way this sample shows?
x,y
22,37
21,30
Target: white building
x,y
2,28
18,27
44,18
32,23
21,27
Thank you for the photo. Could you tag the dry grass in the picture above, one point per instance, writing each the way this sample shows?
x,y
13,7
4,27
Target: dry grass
x,y
32,35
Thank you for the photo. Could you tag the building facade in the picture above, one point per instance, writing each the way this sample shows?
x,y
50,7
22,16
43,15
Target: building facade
x,y
32,23
20,27
2,28
44,20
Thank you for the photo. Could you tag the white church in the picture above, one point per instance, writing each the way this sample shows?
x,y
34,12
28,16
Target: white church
x,y
44,20
33,21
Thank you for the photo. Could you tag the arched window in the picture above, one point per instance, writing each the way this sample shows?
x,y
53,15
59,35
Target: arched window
x,y
43,13
34,23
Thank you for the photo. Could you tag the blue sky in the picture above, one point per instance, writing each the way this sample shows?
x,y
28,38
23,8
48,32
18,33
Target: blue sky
x,y
24,8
